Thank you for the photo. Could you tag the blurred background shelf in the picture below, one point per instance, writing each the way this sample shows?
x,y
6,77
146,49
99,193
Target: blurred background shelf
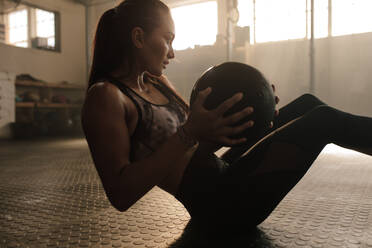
x,y
25,104
29,83
47,109
46,105
57,105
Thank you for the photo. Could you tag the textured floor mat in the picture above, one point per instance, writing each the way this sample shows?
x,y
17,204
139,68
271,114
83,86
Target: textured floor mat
x,y
51,196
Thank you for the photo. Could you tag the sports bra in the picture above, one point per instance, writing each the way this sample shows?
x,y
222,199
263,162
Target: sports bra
x,y
156,122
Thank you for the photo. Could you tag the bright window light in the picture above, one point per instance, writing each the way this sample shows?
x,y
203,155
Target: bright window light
x,y
195,24
280,20
245,8
18,28
26,23
45,26
246,15
320,19
351,17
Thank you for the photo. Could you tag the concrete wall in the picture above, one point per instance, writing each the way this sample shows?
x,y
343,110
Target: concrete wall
x,y
95,11
343,76
67,65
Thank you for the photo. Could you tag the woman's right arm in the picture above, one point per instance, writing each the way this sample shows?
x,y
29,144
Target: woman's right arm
x,y
105,122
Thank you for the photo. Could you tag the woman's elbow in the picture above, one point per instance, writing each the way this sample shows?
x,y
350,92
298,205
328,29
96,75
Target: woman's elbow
x,y
118,204
121,208
117,199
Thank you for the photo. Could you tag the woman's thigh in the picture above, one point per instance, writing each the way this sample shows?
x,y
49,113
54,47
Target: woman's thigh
x,y
287,113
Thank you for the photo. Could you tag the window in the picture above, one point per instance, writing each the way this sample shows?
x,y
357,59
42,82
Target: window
x,y
246,16
272,20
45,26
280,20
351,17
27,26
245,8
320,19
18,28
195,24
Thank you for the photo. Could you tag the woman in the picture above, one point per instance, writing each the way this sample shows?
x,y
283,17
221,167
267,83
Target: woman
x,y
141,133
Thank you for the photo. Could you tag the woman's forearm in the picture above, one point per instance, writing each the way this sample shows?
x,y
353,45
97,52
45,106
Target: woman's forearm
x,y
137,178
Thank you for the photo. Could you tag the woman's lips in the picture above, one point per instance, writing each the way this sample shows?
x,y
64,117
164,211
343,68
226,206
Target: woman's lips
x,y
165,64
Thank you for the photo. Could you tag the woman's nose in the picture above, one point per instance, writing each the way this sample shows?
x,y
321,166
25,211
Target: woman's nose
x,y
171,53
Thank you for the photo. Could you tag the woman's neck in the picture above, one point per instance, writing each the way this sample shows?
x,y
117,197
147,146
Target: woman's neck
x,y
134,81
128,75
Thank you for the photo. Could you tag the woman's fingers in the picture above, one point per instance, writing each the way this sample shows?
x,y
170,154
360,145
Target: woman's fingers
x,y
242,127
229,130
277,99
234,118
230,142
202,95
227,104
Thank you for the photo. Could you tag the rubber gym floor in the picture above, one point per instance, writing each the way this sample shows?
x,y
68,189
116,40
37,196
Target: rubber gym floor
x,y
51,196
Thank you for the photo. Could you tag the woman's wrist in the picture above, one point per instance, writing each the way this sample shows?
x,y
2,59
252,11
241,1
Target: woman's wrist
x,y
186,137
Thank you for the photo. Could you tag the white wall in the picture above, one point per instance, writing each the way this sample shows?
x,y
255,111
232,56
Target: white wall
x,y
95,11
67,65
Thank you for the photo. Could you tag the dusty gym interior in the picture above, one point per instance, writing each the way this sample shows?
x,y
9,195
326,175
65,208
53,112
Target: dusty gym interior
x,y
50,193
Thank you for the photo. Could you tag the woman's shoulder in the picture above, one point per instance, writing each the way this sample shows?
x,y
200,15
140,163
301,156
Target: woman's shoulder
x,y
106,95
102,88
105,90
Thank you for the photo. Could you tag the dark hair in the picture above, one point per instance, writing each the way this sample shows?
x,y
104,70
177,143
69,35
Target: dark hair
x,y
113,43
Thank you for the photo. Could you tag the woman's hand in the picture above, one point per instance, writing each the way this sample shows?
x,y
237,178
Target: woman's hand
x,y
276,102
211,125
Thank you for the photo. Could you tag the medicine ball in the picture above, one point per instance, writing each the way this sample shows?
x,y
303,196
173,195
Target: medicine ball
x,y
230,78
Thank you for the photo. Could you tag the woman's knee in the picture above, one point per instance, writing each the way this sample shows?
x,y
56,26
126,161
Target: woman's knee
x,y
324,114
311,100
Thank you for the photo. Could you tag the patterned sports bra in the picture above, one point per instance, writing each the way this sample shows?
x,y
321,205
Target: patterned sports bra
x,y
156,122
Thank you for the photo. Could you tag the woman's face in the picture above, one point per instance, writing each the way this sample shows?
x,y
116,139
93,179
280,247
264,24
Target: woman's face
x,y
157,50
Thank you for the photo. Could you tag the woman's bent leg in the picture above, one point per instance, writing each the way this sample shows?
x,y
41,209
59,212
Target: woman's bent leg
x,y
289,112
298,107
257,182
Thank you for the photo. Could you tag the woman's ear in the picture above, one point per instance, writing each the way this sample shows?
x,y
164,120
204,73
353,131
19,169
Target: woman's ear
x,y
138,37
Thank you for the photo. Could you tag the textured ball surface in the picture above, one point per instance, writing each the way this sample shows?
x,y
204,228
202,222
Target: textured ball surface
x,y
230,78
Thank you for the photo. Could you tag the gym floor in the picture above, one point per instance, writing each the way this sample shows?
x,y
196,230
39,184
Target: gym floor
x,y
51,196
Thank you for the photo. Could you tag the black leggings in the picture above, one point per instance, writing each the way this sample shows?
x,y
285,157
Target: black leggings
x,y
234,196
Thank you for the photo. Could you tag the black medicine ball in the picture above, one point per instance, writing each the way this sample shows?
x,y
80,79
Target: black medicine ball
x,y
230,78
